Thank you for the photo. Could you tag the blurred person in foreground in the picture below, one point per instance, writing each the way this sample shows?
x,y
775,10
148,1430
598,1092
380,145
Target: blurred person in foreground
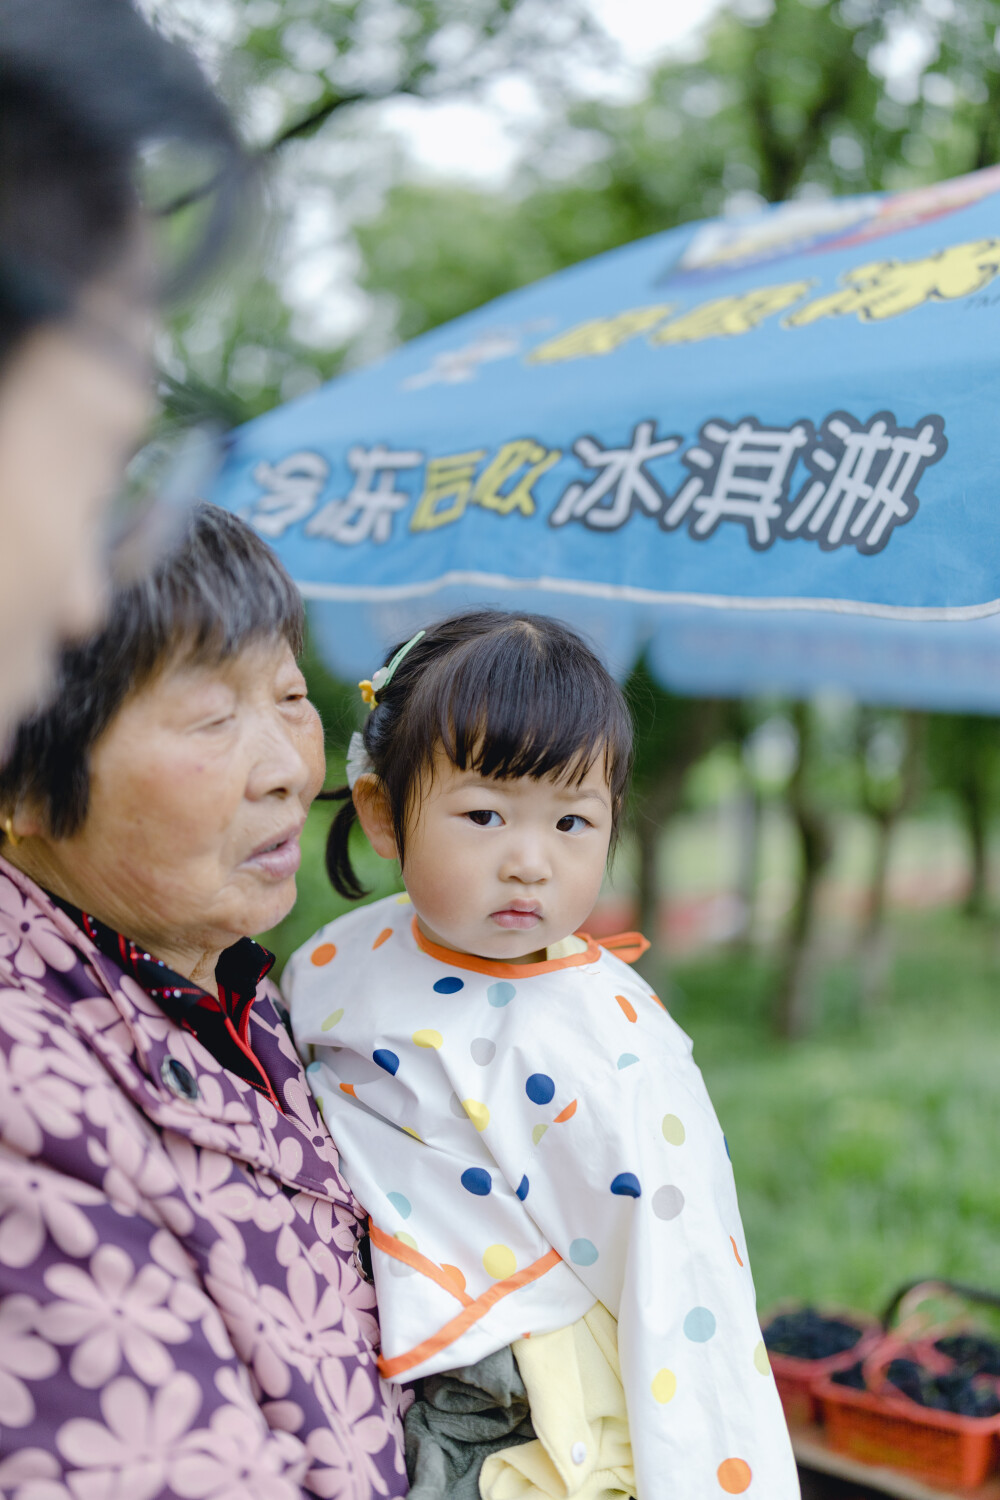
x,y
183,1309
89,95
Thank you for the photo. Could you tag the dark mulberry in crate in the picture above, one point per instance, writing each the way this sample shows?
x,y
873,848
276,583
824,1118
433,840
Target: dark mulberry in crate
x,y
806,1334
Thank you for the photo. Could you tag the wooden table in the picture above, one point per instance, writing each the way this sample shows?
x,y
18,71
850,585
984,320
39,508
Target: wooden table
x,y
812,1452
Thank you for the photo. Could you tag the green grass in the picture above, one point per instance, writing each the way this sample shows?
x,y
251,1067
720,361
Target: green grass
x,y
869,1155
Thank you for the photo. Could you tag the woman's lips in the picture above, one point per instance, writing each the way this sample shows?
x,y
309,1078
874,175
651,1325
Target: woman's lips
x,y
278,860
515,919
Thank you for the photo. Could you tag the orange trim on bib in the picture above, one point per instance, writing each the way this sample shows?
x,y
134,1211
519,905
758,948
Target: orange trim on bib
x,y
471,1312
400,1250
628,946
507,971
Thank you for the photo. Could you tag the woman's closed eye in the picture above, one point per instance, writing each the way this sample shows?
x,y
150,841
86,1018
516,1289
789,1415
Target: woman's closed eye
x,y
573,823
485,818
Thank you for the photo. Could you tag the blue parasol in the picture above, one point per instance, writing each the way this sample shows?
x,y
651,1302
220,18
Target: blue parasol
x,y
761,450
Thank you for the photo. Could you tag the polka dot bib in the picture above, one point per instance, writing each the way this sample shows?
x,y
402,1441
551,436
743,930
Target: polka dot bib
x,y
529,1139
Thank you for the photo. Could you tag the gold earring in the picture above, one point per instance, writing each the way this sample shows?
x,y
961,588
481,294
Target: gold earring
x,y
8,828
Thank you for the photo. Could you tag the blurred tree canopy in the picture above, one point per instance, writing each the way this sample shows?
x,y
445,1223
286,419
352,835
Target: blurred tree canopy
x,y
798,96
778,98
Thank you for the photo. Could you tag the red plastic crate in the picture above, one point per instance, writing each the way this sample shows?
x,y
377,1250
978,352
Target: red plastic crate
x,y
795,1378
896,1432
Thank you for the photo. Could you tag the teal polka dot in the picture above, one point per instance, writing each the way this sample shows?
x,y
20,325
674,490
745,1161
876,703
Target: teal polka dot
x,y
500,993
400,1204
699,1325
583,1252
627,1059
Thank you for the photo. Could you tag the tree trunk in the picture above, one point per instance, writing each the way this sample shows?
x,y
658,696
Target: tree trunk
x,y
749,820
876,955
974,810
794,997
876,947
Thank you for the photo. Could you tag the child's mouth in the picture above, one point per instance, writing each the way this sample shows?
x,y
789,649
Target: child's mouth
x,y
517,918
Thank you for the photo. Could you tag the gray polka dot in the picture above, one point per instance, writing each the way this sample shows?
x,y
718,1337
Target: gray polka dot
x,y
457,1107
667,1202
483,1051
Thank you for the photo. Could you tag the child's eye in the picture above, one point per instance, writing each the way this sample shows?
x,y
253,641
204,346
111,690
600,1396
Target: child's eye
x,y
484,818
572,823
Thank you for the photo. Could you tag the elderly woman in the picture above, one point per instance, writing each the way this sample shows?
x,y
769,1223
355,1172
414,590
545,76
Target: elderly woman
x,y
181,1309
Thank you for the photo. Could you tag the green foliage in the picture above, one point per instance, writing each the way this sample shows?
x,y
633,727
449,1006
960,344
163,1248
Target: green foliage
x,y
863,1157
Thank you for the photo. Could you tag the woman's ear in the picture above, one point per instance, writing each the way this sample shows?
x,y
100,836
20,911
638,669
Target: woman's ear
x,y
375,815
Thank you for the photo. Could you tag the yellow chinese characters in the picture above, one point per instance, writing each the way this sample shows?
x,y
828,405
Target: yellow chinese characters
x,y
726,316
451,485
885,288
599,335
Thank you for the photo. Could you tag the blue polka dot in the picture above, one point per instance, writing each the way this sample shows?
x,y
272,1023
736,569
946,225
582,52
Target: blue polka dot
x,y
725,1142
522,1189
627,1059
626,1185
583,1252
450,985
699,1325
540,1089
477,1180
500,994
386,1059
400,1204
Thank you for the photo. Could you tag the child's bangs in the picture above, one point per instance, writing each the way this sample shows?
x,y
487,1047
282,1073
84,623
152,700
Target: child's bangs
x,y
510,706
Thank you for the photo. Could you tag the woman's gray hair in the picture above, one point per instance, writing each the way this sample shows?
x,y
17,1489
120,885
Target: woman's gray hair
x,y
222,589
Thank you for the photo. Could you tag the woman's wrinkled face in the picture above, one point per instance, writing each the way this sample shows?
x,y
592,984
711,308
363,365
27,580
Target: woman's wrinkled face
x,y
75,400
199,791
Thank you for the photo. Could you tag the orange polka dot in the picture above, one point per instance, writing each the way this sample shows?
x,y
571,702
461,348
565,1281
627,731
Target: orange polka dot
x,y
735,1251
565,1114
734,1476
348,1088
323,954
454,1278
383,937
628,1009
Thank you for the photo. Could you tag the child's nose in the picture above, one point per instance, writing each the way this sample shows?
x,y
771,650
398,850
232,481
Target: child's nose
x,y
527,862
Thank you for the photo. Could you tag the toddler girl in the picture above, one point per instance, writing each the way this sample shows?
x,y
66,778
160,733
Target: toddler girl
x,y
514,1107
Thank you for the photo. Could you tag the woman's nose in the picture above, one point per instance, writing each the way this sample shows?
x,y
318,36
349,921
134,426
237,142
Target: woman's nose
x,y
286,762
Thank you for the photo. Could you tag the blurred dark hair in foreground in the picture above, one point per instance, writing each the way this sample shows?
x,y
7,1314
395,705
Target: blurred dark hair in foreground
x,y
91,99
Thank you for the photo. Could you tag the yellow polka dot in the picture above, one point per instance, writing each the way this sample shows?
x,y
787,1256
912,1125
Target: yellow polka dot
x,y
332,1019
408,1130
538,1132
427,1038
323,954
760,1359
499,1262
664,1386
403,900
673,1130
407,1239
477,1113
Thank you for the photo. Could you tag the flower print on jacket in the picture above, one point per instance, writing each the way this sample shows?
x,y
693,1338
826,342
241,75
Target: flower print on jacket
x,y
179,1308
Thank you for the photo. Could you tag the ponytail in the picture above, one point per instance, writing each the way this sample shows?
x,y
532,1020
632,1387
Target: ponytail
x,y
338,856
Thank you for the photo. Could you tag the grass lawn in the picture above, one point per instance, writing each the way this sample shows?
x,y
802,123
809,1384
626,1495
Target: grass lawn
x,y
869,1155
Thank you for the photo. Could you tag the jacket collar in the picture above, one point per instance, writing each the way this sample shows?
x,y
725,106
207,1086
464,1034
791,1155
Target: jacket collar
x,y
164,1070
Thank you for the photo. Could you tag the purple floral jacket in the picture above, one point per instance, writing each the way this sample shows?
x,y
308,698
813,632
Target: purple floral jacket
x,y
180,1314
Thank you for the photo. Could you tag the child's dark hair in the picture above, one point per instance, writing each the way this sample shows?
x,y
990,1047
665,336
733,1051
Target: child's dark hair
x,y
505,695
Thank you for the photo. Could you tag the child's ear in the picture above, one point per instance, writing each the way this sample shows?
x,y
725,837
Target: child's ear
x,y
375,816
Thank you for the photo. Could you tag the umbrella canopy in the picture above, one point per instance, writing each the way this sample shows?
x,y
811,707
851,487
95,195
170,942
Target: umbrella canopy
x,y
762,450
